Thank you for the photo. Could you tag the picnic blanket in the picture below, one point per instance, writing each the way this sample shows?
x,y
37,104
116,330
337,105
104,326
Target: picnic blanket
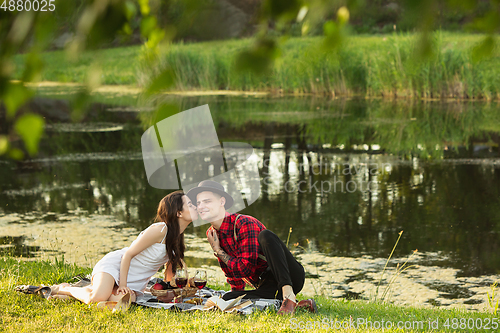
x,y
149,300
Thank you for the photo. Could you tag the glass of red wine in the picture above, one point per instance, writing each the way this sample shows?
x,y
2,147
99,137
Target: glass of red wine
x,y
200,280
181,278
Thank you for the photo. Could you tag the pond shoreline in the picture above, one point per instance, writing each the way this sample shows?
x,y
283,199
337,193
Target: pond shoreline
x,y
136,90
425,284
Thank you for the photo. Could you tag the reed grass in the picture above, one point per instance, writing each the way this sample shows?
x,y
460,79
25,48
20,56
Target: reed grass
x,y
371,66
385,66
385,267
493,303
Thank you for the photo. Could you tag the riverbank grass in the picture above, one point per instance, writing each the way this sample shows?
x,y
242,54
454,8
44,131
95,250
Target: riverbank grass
x,y
371,66
19,312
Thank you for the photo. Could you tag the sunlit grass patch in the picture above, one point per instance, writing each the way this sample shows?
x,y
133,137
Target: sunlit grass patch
x,y
19,312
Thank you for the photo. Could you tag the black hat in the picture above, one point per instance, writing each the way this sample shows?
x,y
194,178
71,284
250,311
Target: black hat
x,y
210,185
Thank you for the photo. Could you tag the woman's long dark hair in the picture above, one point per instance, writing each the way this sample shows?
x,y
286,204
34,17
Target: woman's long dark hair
x,y
167,212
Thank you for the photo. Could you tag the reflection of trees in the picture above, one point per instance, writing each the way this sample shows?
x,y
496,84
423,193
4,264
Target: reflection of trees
x,y
451,208
401,127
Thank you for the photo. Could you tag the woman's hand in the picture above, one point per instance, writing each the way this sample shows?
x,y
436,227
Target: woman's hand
x,y
169,274
172,282
123,290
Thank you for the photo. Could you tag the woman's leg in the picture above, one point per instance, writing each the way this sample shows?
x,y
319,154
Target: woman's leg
x,y
101,289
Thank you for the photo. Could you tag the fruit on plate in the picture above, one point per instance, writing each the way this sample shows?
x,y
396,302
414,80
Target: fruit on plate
x,y
196,300
158,286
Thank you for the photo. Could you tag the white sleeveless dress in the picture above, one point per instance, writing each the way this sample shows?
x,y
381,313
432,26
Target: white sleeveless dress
x,y
142,267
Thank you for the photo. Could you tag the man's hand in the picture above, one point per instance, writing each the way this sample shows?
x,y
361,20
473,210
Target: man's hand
x,y
213,239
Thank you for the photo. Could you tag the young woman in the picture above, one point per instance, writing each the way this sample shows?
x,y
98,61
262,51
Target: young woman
x,y
128,270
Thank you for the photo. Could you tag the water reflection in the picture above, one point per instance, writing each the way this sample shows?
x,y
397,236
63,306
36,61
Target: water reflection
x,y
369,199
322,173
14,246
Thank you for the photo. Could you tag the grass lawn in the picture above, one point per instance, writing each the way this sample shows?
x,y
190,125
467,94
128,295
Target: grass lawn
x,y
373,66
19,312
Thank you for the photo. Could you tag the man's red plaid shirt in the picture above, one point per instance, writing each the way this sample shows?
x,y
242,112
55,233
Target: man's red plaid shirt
x,y
244,261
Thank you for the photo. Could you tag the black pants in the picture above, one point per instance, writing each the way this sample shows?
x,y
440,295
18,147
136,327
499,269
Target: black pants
x,y
283,270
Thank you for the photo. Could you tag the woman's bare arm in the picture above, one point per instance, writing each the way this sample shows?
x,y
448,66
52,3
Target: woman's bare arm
x,y
153,235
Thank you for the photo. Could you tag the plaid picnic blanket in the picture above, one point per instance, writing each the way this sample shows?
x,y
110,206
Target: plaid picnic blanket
x,y
151,301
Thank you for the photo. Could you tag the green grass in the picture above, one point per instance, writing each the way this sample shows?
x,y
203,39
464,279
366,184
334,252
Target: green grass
x,y
19,312
116,66
372,66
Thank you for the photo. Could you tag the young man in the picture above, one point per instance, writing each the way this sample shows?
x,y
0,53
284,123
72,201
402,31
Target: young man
x,y
248,253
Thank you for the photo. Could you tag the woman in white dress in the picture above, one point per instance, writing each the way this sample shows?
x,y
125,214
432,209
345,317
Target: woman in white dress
x,y
128,270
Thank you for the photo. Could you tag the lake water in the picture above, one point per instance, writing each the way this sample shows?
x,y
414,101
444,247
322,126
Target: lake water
x,y
346,176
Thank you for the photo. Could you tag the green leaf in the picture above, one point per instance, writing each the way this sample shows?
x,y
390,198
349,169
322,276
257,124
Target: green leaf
x,y
34,66
144,5
484,50
285,9
165,111
16,95
79,105
259,59
489,23
161,82
155,37
4,144
16,154
148,24
465,5
130,9
21,26
30,127
107,25
334,35
45,27
425,48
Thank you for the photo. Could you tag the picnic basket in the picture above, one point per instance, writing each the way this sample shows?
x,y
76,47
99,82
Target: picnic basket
x,y
186,292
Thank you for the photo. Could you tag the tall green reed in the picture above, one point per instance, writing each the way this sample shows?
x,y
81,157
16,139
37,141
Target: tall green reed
x,y
372,66
399,270
493,303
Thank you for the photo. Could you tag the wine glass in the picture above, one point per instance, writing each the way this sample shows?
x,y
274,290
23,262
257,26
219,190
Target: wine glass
x,y
181,278
200,280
